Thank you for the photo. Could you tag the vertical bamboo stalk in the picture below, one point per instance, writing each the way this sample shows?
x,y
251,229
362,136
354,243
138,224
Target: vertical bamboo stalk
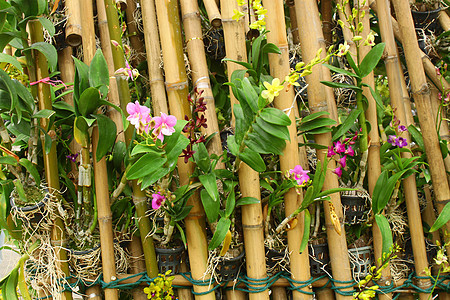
x,y
104,219
394,81
326,9
105,42
73,25
88,38
248,178
50,159
213,13
200,73
294,23
444,19
421,94
137,266
428,214
139,197
133,33
307,15
280,68
374,164
153,47
177,91
234,36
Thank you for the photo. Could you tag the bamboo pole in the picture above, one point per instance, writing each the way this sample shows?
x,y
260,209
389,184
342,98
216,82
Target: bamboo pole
x,y
133,33
104,219
280,68
212,10
105,43
421,94
200,73
50,159
428,214
427,64
139,197
73,25
326,9
177,91
88,31
234,36
94,292
153,47
307,15
373,159
444,19
137,265
248,179
294,24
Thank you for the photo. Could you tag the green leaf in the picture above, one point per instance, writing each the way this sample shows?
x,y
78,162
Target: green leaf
x,y
10,89
386,233
256,51
261,142
232,146
339,85
9,290
81,81
49,52
352,64
247,200
89,101
253,160
249,95
138,149
340,71
442,219
107,132
242,122
270,48
22,282
63,106
153,177
5,58
48,25
44,113
31,169
275,116
98,72
242,63
275,130
314,116
316,124
417,136
209,182
80,131
201,157
182,214
371,59
211,207
146,165
219,235
306,229
348,123
8,160
230,204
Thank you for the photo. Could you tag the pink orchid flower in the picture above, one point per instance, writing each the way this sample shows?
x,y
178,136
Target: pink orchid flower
x,y
350,151
165,124
339,147
139,116
343,161
157,200
338,171
300,175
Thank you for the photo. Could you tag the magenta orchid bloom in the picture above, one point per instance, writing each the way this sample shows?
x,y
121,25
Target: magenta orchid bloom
x,y
343,161
401,142
139,116
127,71
402,128
339,147
330,152
166,124
157,200
300,175
350,151
338,171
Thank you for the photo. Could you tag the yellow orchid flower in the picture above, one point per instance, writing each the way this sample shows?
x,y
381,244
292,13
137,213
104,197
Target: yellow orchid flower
x,y
272,90
237,15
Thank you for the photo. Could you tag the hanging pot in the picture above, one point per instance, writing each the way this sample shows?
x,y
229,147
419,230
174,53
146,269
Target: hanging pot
x,y
319,259
170,259
274,260
426,19
31,213
228,268
356,208
360,261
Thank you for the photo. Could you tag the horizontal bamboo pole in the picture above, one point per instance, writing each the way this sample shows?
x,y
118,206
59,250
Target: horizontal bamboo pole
x,y
213,13
73,25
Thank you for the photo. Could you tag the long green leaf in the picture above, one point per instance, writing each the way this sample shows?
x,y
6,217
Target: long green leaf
x,y
442,219
253,159
49,52
417,136
314,116
348,123
219,235
22,283
31,169
211,206
275,116
209,182
340,71
371,59
316,124
306,229
386,233
146,165
107,132
98,72
6,58
10,288
275,130
341,85
247,200
89,101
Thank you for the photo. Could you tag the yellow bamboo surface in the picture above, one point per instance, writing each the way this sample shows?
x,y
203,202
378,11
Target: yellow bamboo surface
x,y
88,30
309,23
177,90
73,25
137,45
444,19
279,68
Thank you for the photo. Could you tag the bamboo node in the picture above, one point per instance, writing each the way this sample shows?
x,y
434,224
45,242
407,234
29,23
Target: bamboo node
x,y
179,85
137,200
93,295
105,218
391,58
194,14
255,226
202,85
193,38
424,90
58,243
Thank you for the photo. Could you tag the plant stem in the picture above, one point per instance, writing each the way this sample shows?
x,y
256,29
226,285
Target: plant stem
x,y
363,141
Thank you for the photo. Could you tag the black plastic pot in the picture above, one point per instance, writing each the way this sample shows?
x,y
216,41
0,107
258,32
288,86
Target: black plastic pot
x,y
170,259
35,213
356,208
319,259
360,261
426,19
228,268
272,259
214,44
